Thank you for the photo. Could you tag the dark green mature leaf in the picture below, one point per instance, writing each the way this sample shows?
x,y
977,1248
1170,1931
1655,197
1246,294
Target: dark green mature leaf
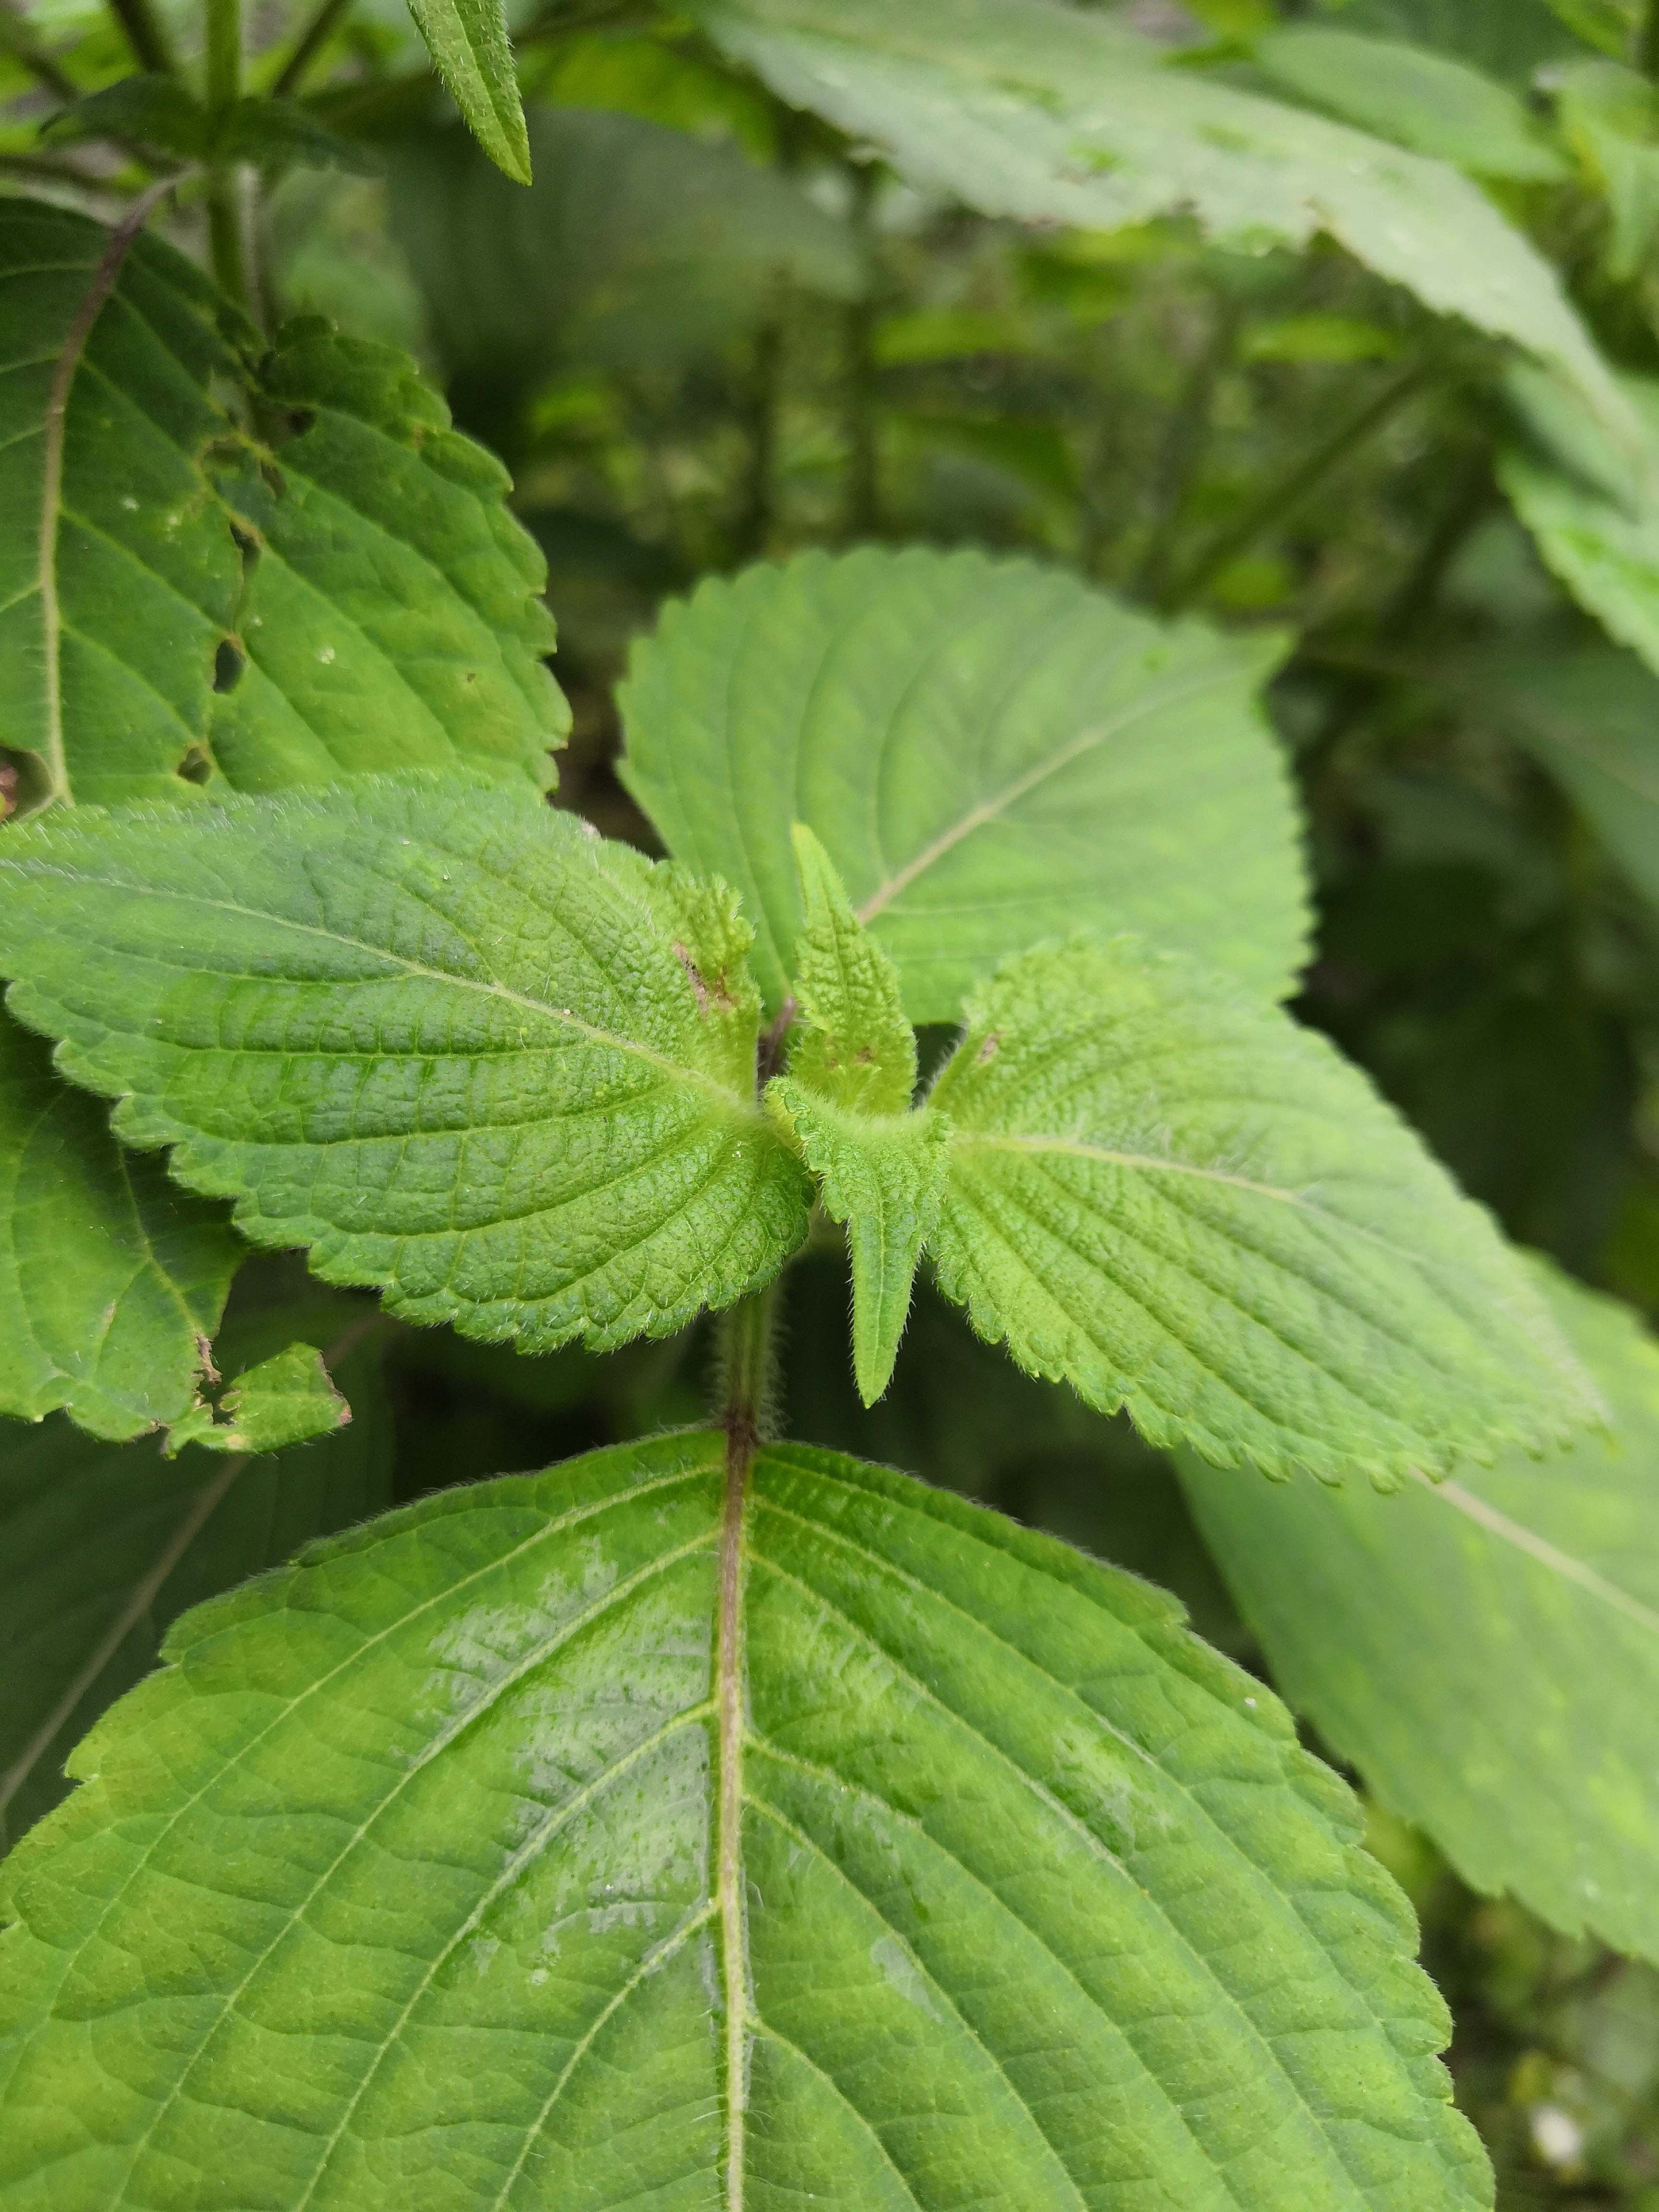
x,y
1508,38
468,40
461,1049
637,246
1184,1205
991,753
1487,1653
102,1546
1416,98
947,1868
1055,114
157,111
112,1279
180,603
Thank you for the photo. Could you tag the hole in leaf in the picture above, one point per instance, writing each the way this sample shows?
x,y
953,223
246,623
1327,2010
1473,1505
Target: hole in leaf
x,y
24,783
196,766
300,419
247,545
228,662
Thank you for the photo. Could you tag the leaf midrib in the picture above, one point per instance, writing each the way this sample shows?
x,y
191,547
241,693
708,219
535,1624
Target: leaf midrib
x,y
1544,1554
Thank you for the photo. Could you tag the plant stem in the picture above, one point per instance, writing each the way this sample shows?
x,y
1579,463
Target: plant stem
x,y
17,40
1647,51
145,33
1280,501
859,368
226,214
757,512
1184,446
748,1351
223,54
315,36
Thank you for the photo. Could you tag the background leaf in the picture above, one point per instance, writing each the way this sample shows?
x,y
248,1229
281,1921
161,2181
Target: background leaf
x,y
464,1051
990,752
1037,1889
102,1546
1043,113
1487,1653
112,1279
1187,1206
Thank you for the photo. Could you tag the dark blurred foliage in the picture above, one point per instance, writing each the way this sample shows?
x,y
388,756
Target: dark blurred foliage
x,y
709,332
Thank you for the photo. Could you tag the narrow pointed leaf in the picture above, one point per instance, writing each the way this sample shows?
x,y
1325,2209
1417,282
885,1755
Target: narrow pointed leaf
x,y
111,1279
461,1049
1186,1204
990,753
855,1048
286,1399
884,1178
1487,1653
102,1546
947,1868
1055,114
468,40
181,605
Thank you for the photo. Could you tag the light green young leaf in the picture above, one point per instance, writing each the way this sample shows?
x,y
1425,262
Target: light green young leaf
x,y
939,1862
468,40
991,753
1184,1205
179,604
460,1047
855,1048
1596,518
884,1178
111,1279
1611,117
1487,1653
637,245
1055,114
102,1547
1407,93
286,1399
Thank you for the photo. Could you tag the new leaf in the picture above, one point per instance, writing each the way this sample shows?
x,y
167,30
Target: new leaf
x,y
459,1047
1185,1205
1026,1896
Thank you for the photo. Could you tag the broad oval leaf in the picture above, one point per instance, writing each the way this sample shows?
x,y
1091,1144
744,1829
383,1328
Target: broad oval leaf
x,y
455,1043
177,603
1185,1205
1487,1653
1054,114
487,1859
102,1546
111,1279
991,753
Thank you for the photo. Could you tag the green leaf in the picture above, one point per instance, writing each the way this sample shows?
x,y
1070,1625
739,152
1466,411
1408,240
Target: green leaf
x,y
947,1866
286,1399
1611,115
1416,98
991,753
468,40
1596,518
1184,1205
456,1045
102,1547
638,246
884,1178
1508,38
157,111
112,1279
1051,114
855,1048
181,602
1487,1653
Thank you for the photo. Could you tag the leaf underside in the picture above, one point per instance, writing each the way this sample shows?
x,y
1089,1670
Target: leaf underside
x,y
1487,1654
111,1278
1049,114
990,752
1029,1949
357,599
466,1052
1182,1203
102,1546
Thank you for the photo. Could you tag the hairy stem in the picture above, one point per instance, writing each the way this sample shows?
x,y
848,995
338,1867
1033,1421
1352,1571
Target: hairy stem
x,y
315,36
1280,501
146,34
747,1354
